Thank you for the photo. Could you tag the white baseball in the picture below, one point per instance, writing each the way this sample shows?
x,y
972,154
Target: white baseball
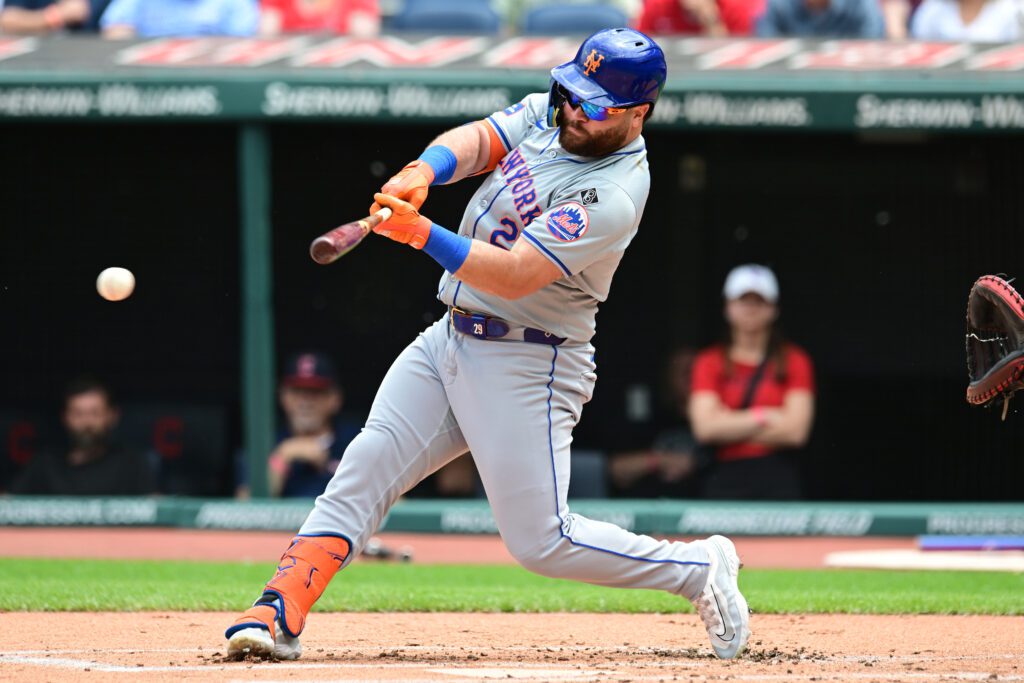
x,y
115,284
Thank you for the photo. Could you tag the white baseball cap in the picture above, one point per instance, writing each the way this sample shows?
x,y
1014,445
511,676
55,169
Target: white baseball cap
x,y
751,278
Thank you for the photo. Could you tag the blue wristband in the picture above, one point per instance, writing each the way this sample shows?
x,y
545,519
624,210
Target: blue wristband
x,y
447,248
442,160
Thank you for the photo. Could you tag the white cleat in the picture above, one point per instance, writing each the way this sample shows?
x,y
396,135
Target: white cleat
x,y
721,606
257,642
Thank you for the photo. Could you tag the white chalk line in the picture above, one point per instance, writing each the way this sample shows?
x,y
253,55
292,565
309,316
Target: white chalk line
x,y
515,671
493,669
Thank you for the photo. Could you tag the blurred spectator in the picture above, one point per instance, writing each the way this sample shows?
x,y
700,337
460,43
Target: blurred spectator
x,y
314,439
969,20
155,18
352,17
92,463
33,17
668,468
752,396
897,15
513,11
823,18
700,17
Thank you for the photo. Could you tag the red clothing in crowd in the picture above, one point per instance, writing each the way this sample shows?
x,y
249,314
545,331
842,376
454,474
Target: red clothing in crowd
x,y
300,16
709,375
668,16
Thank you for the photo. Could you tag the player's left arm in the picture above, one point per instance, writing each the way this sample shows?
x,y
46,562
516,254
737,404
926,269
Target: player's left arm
x,y
509,274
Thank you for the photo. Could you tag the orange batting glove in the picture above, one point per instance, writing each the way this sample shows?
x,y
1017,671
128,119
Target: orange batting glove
x,y
406,225
410,184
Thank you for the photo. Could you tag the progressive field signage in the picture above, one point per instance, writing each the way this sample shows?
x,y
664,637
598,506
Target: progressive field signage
x,y
663,517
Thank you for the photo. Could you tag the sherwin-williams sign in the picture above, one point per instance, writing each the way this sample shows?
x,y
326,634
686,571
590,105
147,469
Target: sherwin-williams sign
x,y
713,83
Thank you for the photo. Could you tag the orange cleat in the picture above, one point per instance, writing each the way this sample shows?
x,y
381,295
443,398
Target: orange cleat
x,y
271,627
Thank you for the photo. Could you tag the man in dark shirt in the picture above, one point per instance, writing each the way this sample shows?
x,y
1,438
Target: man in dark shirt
x,y
93,464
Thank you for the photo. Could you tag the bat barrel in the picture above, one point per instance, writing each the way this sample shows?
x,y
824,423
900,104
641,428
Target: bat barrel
x,y
331,246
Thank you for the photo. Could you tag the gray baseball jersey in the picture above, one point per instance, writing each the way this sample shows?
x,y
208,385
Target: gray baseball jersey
x,y
580,212
514,403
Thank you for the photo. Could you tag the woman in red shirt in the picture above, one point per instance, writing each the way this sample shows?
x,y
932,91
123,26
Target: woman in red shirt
x,y
752,397
700,17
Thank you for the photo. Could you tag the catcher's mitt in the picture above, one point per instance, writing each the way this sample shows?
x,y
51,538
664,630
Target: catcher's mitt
x,y
995,341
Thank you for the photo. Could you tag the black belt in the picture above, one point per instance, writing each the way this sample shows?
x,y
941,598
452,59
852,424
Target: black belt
x,y
485,327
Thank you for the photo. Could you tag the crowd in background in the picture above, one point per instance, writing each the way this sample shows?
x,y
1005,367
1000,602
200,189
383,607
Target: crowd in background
x,y
938,20
738,414
739,411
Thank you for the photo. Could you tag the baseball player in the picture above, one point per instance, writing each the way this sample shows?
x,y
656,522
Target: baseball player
x,y
506,371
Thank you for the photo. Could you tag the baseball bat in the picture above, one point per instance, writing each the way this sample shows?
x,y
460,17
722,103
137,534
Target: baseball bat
x,y
331,246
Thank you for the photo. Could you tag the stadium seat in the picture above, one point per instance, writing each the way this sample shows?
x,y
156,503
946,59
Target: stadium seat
x,y
588,478
582,19
187,442
21,436
452,17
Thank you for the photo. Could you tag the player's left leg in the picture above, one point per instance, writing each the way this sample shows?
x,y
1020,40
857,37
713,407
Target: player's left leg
x,y
521,450
409,434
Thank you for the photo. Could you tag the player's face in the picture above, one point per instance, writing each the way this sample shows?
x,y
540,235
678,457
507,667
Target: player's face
x,y
750,313
309,411
89,418
588,138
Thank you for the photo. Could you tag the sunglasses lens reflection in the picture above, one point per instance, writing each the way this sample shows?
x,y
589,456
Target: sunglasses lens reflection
x,y
595,112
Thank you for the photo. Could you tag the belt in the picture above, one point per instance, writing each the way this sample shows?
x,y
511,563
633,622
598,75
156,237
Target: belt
x,y
485,327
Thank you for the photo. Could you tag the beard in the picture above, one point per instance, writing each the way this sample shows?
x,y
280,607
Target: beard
x,y
576,140
88,439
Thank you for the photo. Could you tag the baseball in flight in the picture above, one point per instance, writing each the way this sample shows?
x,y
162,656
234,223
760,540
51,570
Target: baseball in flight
x,y
115,284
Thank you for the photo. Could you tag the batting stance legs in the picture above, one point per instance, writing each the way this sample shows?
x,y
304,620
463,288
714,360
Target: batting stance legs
x,y
445,394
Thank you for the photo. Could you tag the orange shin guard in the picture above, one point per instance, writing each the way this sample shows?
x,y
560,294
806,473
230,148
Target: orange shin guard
x,y
303,573
305,569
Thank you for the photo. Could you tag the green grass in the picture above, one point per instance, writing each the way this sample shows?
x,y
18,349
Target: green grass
x,y
109,585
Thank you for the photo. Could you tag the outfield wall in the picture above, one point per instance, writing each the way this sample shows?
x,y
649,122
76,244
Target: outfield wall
x,y
474,517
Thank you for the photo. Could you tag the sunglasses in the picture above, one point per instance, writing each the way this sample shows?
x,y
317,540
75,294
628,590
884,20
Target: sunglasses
x,y
594,112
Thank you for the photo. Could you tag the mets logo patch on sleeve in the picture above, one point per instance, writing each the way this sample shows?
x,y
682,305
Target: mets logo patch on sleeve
x,y
568,222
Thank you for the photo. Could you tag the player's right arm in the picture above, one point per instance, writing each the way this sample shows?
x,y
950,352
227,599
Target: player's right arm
x,y
470,149
451,156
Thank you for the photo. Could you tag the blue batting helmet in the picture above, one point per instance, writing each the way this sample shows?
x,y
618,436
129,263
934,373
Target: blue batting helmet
x,y
615,67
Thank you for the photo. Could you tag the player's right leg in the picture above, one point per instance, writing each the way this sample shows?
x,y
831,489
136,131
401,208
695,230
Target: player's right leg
x,y
522,453
409,434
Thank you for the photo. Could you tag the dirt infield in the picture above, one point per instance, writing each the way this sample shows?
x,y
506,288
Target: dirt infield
x,y
458,647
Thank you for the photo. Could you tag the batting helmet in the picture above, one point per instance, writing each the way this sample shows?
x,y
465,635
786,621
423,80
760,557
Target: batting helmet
x,y
615,67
